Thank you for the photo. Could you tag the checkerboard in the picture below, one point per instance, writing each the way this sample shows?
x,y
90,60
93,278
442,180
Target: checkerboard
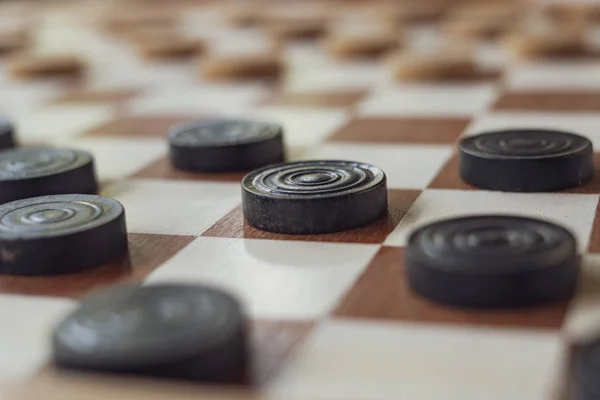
x,y
332,316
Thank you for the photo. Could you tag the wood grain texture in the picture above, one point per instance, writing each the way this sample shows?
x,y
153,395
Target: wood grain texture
x,y
448,178
146,253
401,130
140,126
548,101
162,169
382,293
233,224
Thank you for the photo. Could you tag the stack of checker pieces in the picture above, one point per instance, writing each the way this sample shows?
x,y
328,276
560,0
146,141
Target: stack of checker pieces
x,y
453,63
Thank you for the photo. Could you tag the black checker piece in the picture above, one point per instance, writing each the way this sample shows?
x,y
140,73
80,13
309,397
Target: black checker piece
x,y
492,261
526,160
39,171
313,197
180,331
225,145
51,235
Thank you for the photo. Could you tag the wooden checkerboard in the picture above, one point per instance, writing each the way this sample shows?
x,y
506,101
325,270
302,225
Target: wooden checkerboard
x,y
332,316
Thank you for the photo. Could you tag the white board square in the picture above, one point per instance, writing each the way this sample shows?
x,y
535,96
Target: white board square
x,y
274,279
568,76
429,100
117,158
27,324
362,360
208,98
173,207
47,124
